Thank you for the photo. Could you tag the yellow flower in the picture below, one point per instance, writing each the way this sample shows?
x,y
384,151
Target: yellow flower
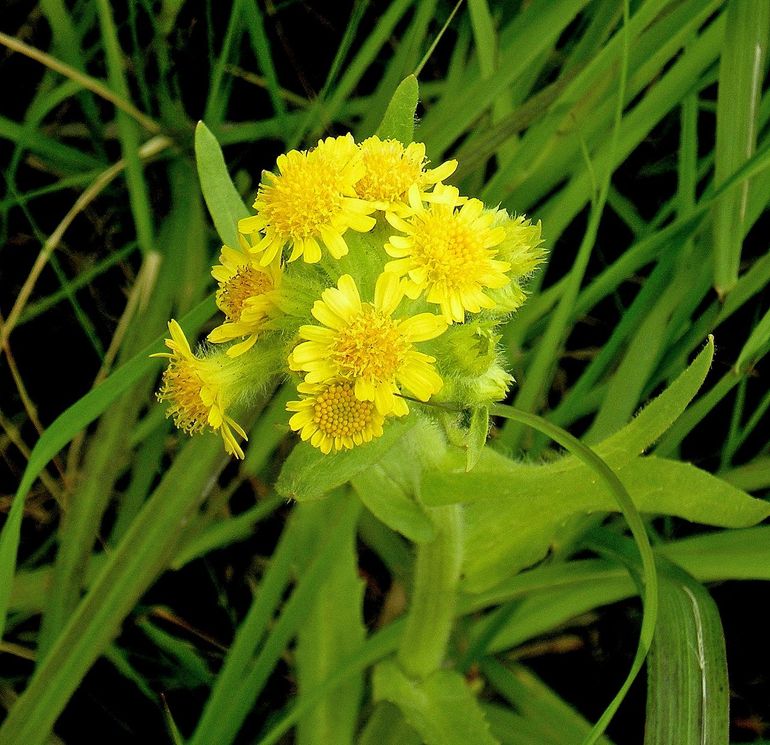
x,y
363,344
449,252
332,418
311,201
194,388
390,169
247,296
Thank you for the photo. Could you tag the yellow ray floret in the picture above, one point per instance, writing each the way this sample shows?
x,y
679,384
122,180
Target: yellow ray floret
x,y
332,418
247,295
363,344
390,170
449,253
195,393
312,201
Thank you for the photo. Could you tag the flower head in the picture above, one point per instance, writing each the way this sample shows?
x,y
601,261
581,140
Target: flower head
x,y
449,252
311,201
332,418
364,345
247,296
196,393
390,170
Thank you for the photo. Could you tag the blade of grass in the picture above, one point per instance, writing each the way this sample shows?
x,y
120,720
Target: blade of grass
x,y
128,572
332,629
121,102
228,706
542,368
687,686
64,428
128,132
741,73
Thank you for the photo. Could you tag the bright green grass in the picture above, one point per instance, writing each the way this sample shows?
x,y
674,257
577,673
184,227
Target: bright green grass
x,y
542,107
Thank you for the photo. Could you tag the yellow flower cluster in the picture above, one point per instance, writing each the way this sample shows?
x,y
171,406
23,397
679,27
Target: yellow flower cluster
x,y
391,259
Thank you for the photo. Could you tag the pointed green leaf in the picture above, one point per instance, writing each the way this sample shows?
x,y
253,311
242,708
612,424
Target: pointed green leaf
x,y
225,204
514,509
398,122
310,474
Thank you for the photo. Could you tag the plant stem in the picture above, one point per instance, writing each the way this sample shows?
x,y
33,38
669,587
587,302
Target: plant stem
x,y
431,613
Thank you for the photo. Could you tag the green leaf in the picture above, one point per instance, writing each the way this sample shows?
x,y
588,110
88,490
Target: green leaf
x,y
190,669
225,204
332,628
223,717
687,686
741,72
655,418
440,708
516,508
398,122
390,502
129,570
309,474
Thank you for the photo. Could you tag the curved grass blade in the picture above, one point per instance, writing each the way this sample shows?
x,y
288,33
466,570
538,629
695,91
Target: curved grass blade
x,y
635,523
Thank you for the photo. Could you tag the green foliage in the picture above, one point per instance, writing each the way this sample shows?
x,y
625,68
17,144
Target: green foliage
x,y
550,110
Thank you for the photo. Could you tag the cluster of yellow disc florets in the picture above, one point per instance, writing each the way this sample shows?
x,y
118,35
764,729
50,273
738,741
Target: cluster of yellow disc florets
x,y
400,285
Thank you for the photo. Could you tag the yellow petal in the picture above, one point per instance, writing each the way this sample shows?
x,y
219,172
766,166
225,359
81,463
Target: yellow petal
x,y
388,292
422,327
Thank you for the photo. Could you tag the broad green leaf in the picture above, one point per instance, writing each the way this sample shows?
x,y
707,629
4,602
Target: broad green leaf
x,y
398,122
332,629
687,686
225,204
519,508
727,554
310,474
440,708
389,488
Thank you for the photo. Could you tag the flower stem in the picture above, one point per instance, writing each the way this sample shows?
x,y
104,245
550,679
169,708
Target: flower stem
x,y
432,610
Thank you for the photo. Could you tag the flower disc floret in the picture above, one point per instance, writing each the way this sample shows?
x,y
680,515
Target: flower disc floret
x,y
449,253
390,170
195,393
363,344
332,418
312,200
247,295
